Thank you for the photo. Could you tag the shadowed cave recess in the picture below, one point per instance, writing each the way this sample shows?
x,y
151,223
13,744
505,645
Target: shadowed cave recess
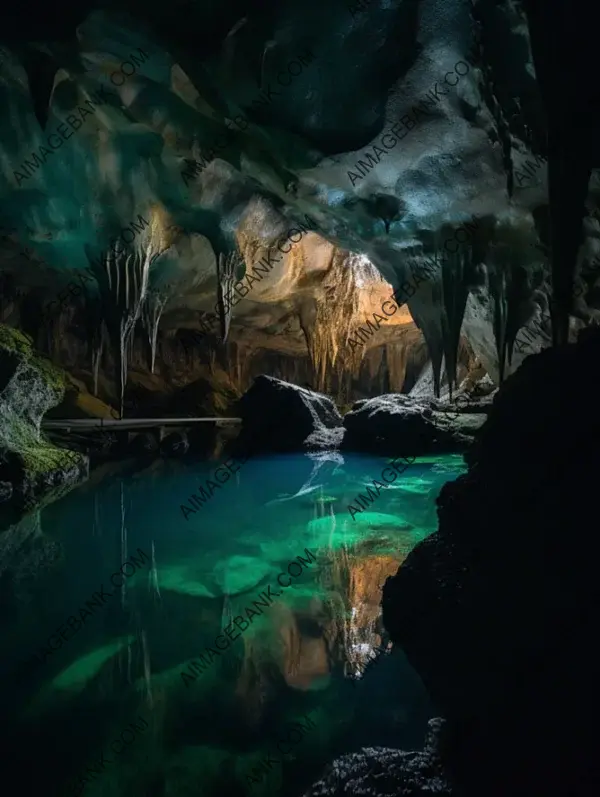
x,y
298,320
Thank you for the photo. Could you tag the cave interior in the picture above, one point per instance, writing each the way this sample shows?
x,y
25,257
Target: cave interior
x,y
337,261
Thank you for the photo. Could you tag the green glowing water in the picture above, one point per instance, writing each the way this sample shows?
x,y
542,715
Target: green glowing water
x,y
282,675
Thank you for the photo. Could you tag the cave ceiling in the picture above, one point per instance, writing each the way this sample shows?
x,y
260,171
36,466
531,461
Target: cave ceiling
x,y
340,144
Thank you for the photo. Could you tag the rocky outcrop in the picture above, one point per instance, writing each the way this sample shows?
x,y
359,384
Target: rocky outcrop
x,y
29,386
278,416
402,425
497,610
382,772
284,417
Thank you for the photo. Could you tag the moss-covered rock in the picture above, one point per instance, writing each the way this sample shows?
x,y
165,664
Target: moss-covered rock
x,y
29,386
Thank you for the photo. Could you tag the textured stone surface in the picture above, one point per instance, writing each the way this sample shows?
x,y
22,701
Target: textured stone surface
x,y
380,771
29,386
278,416
407,426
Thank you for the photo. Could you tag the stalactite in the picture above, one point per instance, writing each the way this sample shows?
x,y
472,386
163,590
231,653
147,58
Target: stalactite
x,y
123,282
151,313
509,288
426,308
438,307
129,309
227,266
337,314
131,347
455,294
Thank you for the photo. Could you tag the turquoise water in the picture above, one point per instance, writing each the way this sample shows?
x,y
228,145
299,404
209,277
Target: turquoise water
x,y
104,707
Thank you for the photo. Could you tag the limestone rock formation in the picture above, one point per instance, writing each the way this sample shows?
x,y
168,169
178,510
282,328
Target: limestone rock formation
x,y
29,386
406,426
278,416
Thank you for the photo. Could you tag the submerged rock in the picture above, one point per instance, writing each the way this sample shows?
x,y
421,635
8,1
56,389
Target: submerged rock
x,y
395,424
281,417
497,610
29,386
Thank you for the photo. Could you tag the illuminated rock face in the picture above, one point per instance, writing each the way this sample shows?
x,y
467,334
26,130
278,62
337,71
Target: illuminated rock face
x,y
29,386
405,426
370,152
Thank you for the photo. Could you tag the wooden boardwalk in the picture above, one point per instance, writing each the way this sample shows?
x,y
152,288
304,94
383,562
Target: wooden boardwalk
x,y
130,424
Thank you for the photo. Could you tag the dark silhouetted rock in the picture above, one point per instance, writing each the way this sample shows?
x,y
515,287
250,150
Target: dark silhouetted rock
x,y
279,416
498,610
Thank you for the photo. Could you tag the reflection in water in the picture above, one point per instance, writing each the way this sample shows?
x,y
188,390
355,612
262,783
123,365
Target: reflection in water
x,y
243,621
314,651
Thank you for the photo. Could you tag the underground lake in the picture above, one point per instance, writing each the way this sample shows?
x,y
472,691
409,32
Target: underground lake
x,y
119,595
299,334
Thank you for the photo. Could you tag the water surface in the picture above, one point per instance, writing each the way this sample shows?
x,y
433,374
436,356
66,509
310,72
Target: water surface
x,y
108,711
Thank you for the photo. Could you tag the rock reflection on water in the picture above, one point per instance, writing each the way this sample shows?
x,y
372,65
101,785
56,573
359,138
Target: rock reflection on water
x,y
308,653
341,629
